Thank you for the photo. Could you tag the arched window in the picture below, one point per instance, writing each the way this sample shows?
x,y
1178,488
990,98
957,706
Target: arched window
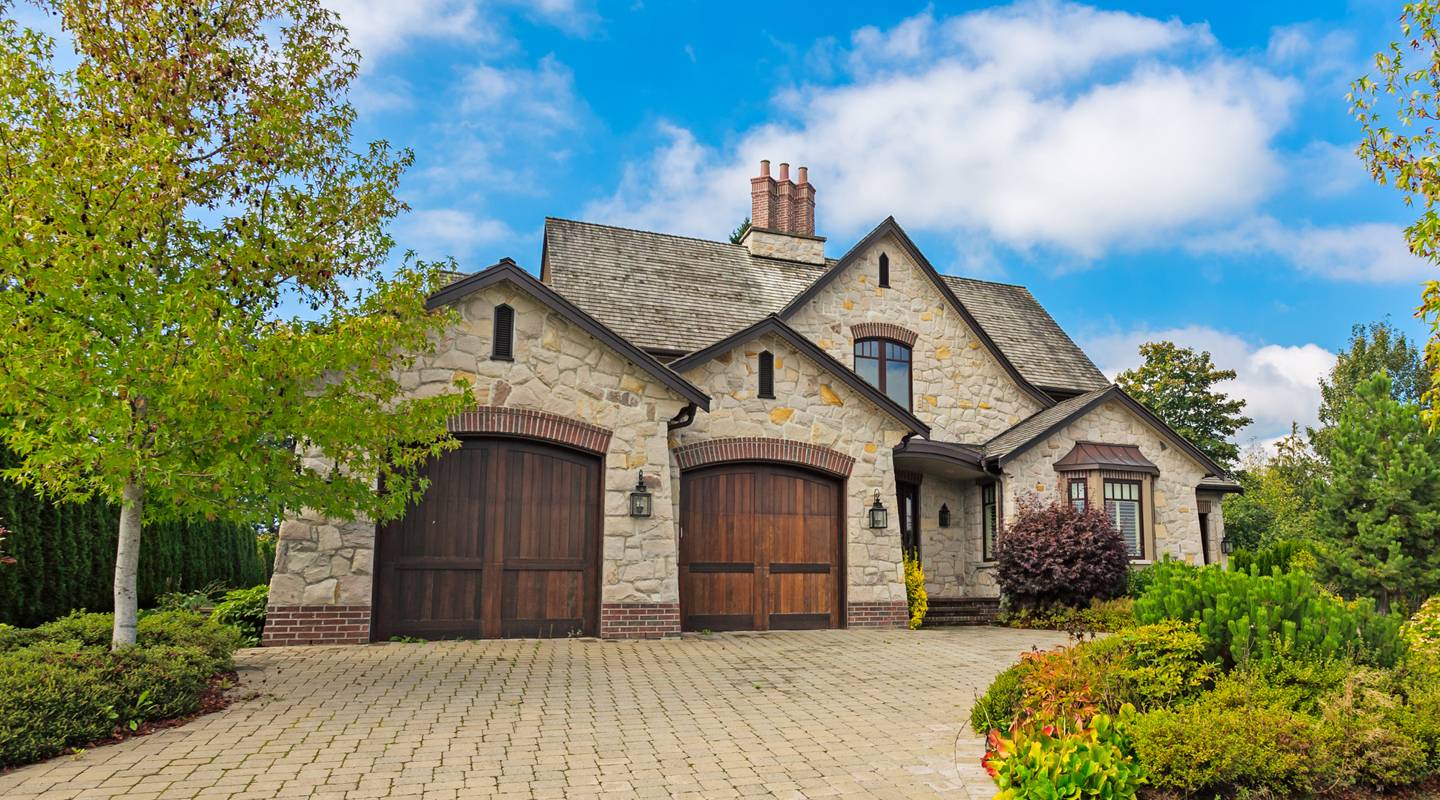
x,y
884,270
767,374
502,344
885,364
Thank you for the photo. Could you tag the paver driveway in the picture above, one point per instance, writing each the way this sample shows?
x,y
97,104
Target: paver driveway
x,y
804,714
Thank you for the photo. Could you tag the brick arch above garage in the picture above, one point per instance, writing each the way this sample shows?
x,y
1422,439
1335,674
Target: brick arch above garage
x,y
756,448
532,424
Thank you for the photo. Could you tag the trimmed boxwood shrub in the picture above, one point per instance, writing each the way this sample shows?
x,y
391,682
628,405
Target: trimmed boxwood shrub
x,y
1053,554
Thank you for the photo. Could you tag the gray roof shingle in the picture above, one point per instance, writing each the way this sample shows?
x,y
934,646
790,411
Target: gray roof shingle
x,y
678,294
1037,424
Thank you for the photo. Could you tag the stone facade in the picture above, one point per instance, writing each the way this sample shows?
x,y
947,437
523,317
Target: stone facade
x,y
958,388
1172,523
785,246
558,368
812,406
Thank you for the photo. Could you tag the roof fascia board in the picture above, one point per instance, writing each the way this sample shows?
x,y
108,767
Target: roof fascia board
x,y
890,226
773,324
507,270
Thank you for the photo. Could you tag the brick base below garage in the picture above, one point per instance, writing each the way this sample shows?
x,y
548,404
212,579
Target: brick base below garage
x,y
879,615
639,620
287,625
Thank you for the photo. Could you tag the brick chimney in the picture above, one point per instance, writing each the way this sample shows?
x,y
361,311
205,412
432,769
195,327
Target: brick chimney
x,y
782,217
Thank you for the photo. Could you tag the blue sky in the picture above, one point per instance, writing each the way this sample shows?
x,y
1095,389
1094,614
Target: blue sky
x,y
1148,169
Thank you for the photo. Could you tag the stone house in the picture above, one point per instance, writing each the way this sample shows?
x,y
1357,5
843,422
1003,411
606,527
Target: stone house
x,y
678,434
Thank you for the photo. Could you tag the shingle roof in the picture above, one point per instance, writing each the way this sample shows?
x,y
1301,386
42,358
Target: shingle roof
x,y
1027,334
1040,423
678,294
666,292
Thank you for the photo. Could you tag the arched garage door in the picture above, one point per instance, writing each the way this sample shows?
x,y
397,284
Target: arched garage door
x,y
760,548
504,543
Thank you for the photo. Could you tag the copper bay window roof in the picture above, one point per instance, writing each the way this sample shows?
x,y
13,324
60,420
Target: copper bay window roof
x,y
1097,455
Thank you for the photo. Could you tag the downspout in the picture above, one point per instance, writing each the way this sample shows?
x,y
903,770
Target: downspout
x,y
683,418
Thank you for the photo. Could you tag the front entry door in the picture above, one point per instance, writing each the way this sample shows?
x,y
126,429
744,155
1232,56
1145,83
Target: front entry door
x,y
908,496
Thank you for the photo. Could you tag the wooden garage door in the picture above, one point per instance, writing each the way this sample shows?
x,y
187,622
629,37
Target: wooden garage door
x,y
760,549
504,543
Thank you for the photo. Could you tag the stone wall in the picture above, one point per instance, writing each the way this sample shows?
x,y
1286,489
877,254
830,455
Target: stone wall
x,y
1171,511
959,388
944,552
811,405
1217,523
557,368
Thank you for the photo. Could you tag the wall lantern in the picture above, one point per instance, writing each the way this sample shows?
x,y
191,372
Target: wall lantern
x,y
1227,546
944,515
879,516
640,500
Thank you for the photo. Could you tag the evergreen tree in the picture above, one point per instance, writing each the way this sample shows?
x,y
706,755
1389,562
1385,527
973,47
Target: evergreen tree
x,y
1377,347
1378,523
738,235
1178,385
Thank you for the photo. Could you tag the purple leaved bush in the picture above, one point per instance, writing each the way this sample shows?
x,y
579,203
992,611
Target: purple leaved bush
x,y
1053,554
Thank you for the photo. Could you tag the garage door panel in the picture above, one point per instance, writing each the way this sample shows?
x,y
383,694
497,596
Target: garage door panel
x,y
543,603
437,603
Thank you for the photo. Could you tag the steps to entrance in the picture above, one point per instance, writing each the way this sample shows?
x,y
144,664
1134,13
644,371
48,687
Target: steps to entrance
x,y
946,612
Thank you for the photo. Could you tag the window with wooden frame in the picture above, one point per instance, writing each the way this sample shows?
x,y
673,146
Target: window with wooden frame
x,y
885,364
767,375
1123,504
989,521
1079,489
502,342
884,270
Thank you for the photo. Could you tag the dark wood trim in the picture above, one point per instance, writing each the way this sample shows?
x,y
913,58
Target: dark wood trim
x,y
883,360
508,271
806,569
1084,484
721,567
987,555
776,326
1139,485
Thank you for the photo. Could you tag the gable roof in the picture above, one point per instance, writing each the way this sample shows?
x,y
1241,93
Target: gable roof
x,y
676,294
892,228
508,271
1011,443
772,324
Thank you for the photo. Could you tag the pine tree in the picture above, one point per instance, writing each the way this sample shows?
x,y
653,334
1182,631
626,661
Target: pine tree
x,y
1378,526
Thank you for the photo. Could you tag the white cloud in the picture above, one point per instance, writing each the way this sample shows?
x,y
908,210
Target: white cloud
x,y
1279,383
381,27
441,232
1372,252
1326,169
1039,124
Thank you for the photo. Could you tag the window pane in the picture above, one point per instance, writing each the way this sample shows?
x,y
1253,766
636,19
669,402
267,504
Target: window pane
x,y
896,352
869,347
1125,514
897,383
869,369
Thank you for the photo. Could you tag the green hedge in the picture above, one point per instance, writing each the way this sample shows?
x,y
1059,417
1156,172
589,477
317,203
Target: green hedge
x,y
61,687
65,556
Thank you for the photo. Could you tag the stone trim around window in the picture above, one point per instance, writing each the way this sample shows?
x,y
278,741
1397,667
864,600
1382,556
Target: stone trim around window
x,y
534,425
755,448
883,330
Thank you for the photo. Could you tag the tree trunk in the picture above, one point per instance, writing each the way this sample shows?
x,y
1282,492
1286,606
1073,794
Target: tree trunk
x,y
127,564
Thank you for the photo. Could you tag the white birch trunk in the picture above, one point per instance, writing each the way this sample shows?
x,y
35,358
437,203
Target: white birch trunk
x,y
127,563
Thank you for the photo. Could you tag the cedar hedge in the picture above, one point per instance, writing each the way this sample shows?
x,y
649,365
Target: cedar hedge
x,y
65,556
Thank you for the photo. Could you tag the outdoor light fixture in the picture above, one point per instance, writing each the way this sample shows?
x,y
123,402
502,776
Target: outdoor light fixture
x,y
1227,546
640,500
879,517
944,515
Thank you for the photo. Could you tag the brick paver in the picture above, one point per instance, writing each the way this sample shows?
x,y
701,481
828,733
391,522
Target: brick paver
x,y
805,714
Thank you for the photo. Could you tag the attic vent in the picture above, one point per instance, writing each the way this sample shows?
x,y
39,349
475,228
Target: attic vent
x,y
885,270
767,374
502,344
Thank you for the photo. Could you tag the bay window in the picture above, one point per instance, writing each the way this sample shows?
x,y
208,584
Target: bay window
x,y
1123,504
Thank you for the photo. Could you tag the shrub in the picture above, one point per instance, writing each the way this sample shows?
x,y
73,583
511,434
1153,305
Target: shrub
x,y
185,629
915,595
1159,665
244,609
159,682
998,707
1105,616
1279,555
1422,635
52,696
1054,554
1364,741
1243,616
1095,760
1205,747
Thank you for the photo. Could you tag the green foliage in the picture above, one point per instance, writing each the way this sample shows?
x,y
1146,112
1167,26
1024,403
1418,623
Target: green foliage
x,y
65,556
244,609
915,595
265,545
1159,665
1245,616
1095,760
1000,704
738,235
1266,559
1278,503
1377,532
163,231
1177,385
1421,634
1099,616
1377,347
62,687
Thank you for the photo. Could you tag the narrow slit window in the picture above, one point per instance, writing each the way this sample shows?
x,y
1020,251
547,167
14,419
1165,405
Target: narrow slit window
x,y
989,521
502,344
884,270
767,374
1079,491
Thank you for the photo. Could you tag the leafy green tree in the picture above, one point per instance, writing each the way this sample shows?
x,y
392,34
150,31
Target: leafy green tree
x,y
1278,503
1397,109
1377,347
172,204
1177,384
1378,520
738,235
